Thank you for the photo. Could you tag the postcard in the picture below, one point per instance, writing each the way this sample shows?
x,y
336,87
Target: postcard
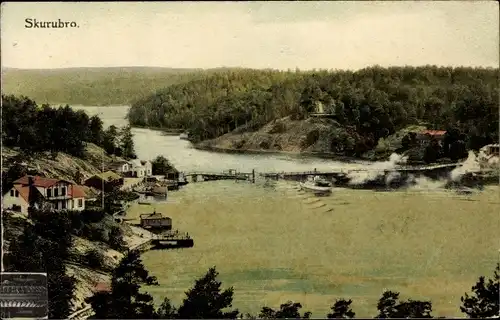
x,y
252,160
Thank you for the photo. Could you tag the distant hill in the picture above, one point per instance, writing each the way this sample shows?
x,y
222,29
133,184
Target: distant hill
x,y
92,86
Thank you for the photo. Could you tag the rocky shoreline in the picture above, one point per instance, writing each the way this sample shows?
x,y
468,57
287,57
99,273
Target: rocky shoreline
x,y
87,278
323,155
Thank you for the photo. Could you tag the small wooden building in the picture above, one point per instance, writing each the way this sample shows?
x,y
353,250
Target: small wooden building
x,y
155,220
109,179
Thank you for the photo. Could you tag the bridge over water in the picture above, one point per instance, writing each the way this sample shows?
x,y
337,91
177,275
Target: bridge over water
x,y
433,171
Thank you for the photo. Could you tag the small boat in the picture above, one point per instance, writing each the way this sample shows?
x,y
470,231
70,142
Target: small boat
x,y
317,185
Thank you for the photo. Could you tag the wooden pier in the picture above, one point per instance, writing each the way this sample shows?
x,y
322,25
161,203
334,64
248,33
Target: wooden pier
x,y
171,240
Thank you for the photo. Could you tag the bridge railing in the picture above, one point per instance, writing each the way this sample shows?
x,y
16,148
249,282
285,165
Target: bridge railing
x,y
347,171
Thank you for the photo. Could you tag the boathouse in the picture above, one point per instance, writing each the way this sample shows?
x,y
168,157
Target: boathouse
x,y
155,220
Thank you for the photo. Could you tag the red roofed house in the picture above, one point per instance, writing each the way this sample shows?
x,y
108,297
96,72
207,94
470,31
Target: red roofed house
x,y
102,287
31,190
426,135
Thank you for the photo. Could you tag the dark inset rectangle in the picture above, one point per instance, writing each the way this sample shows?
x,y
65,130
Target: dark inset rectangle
x,y
23,295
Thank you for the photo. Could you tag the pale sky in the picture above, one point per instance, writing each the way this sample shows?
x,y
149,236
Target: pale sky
x,y
278,35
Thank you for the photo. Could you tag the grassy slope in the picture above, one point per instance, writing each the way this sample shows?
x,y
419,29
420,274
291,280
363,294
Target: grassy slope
x,y
63,166
91,86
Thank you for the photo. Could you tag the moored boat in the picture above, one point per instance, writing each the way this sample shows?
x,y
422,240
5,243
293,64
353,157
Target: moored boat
x,y
316,185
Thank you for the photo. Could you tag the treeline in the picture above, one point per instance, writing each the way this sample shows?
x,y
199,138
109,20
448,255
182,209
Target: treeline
x,y
35,129
206,300
367,105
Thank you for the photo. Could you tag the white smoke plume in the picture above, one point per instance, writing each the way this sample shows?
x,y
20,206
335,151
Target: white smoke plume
x,y
426,184
377,169
471,164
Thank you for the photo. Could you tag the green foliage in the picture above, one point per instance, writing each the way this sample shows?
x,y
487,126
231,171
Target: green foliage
x,y
96,130
389,306
119,142
43,247
289,310
341,309
485,297
206,301
161,166
37,129
127,143
94,259
110,140
15,171
116,239
368,104
97,225
125,301
166,310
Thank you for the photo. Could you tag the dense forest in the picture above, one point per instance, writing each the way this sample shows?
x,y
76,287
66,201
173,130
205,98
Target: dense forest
x,y
92,86
366,105
34,129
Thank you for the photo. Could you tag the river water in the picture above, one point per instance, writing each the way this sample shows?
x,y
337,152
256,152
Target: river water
x,y
273,243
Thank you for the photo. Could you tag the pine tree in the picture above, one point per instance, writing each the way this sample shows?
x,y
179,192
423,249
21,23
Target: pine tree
x,y
288,310
127,143
341,309
125,301
484,301
206,301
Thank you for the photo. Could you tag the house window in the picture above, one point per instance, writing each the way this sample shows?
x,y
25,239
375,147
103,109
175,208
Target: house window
x,y
80,203
56,192
17,194
63,205
12,192
63,191
72,203
49,193
16,208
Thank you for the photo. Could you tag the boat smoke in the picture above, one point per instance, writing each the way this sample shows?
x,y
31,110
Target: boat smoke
x,y
426,184
378,170
470,165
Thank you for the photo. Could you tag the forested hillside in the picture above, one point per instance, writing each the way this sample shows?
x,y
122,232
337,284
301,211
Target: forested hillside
x,y
34,129
368,104
91,86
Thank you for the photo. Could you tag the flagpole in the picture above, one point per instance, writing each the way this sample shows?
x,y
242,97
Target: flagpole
x,y
102,171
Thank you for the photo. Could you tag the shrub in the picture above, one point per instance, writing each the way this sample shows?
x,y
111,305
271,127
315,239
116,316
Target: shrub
x,y
94,259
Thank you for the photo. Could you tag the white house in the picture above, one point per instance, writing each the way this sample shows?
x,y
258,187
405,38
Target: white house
x,y
120,166
141,168
28,190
